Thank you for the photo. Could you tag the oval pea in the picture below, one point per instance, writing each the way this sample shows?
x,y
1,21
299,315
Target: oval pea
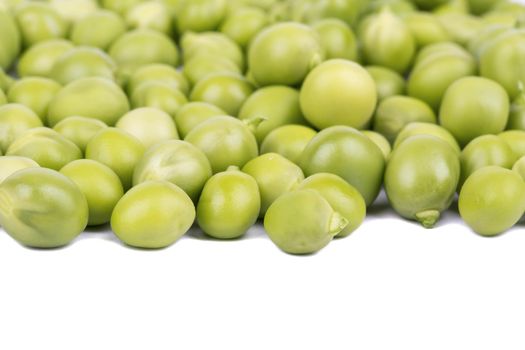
x,y
288,140
35,93
203,65
11,164
193,113
98,29
39,59
337,39
242,24
200,15
438,131
211,44
15,119
158,95
38,22
388,82
151,15
380,141
160,73
79,130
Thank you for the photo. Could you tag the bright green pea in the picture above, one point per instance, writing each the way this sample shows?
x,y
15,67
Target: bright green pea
x,y
492,200
200,15
157,72
158,95
337,39
203,65
94,97
229,204
46,147
35,93
11,164
193,113
38,22
302,222
15,119
175,161
380,141
288,140
484,151
40,58
42,208
151,15
275,176
153,215
388,82
438,131
344,151
79,130
342,197
98,29
242,24
118,150
516,141
99,184
394,112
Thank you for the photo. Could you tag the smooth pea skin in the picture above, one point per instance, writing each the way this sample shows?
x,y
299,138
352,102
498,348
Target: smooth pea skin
x,y
193,113
46,147
484,151
394,112
225,141
175,161
338,92
283,54
42,208
149,125
225,90
152,215
10,43
150,14
39,59
517,112
380,142
158,95
516,141
337,39
275,175
212,45
15,119
99,184
200,15
161,73
94,97
341,196
11,164
229,204
242,24
421,178
302,222
98,29
203,65
117,149
474,106
425,28
518,167
79,130
288,140
346,152
492,200
388,82
278,105
438,131
39,21
35,93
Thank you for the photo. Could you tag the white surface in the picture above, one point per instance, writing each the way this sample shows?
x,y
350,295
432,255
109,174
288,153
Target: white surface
x,y
391,285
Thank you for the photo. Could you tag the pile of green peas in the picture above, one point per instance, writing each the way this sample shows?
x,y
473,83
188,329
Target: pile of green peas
x,y
156,115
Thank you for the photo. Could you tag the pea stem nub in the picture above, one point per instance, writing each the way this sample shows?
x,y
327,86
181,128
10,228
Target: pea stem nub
x,y
428,218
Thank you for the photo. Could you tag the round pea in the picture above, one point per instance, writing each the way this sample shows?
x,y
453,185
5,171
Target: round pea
x,y
200,15
152,215
203,65
288,140
438,131
193,113
98,29
79,130
337,39
425,28
388,82
516,141
380,141
35,93
159,95
15,119
242,24
211,44
11,164
161,73
42,208
74,10
302,222
229,204
99,184
492,200
38,22
39,59
150,14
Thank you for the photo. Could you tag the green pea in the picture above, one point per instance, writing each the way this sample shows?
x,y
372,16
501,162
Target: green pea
x,y
388,82
79,130
6,81
158,95
153,215
203,65
99,184
421,178
200,15
478,44
118,150
312,10
484,151
302,222
211,44
425,28
226,91
74,10
193,113
439,49
149,125
517,112
380,141
10,43
11,164
15,119
492,200
429,4
460,27
98,29
175,161
337,39
516,141
38,22
42,208
518,167
394,112
275,175
151,15
288,140
438,131
46,147
344,151
158,73
35,93
242,24
229,204
474,106
283,54
225,141
341,196
94,97
338,92
278,105
82,62
40,58
119,6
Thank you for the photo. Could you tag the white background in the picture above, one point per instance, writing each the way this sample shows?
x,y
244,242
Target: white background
x,y
390,285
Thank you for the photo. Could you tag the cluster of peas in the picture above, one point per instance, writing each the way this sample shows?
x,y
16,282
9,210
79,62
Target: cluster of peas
x,y
152,115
